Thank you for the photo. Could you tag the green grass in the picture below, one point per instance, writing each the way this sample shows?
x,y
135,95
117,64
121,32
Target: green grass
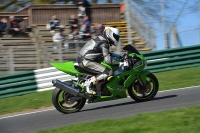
x,y
179,78
25,102
167,80
185,120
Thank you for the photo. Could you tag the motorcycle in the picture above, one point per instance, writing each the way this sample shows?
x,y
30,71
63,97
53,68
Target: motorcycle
x,y
130,77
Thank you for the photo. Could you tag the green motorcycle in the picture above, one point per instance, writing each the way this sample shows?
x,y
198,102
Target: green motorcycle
x,y
141,85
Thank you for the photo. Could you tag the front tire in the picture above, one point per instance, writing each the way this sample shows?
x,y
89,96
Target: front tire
x,y
60,102
137,93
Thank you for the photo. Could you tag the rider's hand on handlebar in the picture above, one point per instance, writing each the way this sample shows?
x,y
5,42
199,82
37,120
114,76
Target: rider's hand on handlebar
x,y
124,57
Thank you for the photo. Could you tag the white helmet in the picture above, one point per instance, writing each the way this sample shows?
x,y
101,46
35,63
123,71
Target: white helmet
x,y
112,34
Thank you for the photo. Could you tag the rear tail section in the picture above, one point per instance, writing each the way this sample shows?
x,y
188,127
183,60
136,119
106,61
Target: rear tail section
x,y
67,67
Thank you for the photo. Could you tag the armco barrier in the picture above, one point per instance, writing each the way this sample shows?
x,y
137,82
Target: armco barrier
x,y
40,80
171,59
17,84
45,76
30,81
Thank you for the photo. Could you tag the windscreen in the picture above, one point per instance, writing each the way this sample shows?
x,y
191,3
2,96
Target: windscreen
x,y
130,49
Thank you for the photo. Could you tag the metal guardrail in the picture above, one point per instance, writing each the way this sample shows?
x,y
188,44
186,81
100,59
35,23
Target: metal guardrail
x,y
176,58
30,81
40,80
17,84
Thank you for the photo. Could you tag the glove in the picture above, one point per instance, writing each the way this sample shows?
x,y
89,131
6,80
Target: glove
x,y
124,57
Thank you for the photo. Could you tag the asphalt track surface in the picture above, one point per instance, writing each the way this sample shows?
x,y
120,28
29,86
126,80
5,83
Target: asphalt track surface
x,y
126,107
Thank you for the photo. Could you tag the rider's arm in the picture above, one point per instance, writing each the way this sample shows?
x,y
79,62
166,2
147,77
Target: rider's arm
x,y
116,55
106,55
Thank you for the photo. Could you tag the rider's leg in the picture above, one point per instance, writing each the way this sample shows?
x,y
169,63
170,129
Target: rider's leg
x,y
94,66
104,75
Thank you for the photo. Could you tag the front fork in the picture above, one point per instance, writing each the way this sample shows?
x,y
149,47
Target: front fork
x,y
142,77
138,78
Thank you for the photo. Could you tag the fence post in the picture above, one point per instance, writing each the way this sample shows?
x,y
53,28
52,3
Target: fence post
x,y
119,47
148,30
77,47
38,55
11,60
46,57
128,21
153,39
174,36
60,56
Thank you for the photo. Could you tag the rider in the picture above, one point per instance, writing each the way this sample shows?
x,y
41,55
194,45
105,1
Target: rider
x,y
96,49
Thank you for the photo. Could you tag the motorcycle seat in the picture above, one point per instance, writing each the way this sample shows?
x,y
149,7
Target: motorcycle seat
x,y
86,70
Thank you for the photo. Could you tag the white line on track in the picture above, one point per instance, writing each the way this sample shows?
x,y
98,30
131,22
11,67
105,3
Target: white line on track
x,y
54,108
27,113
180,88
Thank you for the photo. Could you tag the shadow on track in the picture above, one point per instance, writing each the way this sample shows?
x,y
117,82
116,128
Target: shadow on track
x,y
127,103
164,97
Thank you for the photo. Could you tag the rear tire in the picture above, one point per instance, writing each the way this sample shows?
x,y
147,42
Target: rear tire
x,y
138,94
60,102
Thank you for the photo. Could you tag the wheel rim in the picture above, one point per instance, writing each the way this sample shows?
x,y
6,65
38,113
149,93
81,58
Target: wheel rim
x,y
65,104
144,92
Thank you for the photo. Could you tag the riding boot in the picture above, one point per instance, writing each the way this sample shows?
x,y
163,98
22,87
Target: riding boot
x,y
88,83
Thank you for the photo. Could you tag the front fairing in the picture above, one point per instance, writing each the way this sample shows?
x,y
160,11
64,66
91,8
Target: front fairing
x,y
140,57
130,74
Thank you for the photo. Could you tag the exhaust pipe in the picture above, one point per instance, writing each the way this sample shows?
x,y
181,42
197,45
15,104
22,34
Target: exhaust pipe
x,y
65,87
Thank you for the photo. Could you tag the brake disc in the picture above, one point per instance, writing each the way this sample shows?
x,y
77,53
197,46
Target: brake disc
x,y
142,89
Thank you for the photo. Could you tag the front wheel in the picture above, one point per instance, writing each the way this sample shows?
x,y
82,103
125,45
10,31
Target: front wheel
x,y
62,104
144,93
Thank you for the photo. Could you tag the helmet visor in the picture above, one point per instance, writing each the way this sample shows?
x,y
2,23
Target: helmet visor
x,y
116,37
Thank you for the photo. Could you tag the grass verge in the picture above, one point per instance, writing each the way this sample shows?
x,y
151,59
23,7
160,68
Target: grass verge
x,y
167,80
178,78
184,120
25,102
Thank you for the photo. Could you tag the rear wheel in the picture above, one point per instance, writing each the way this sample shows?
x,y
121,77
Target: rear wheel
x,y
61,101
144,93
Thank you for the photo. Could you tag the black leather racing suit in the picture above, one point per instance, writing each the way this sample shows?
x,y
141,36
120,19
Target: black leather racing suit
x,y
94,50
